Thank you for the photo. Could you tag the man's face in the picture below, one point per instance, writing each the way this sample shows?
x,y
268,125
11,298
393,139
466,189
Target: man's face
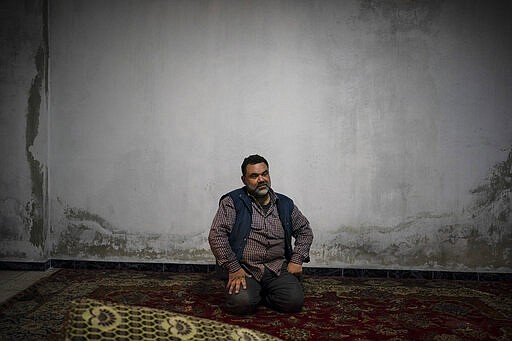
x,y
257,179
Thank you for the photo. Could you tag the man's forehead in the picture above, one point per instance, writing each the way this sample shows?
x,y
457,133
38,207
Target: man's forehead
x,y
257,167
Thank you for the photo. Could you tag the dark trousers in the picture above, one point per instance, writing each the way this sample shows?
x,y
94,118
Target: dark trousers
x,y
283,293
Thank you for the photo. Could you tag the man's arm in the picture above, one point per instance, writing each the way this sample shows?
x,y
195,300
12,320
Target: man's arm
x,y
301,231
219,243
219,235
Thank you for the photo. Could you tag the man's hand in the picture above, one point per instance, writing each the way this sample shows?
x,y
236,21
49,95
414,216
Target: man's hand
x,y
237,279
295,269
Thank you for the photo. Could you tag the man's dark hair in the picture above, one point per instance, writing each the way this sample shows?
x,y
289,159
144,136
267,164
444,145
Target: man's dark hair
x,y
252,160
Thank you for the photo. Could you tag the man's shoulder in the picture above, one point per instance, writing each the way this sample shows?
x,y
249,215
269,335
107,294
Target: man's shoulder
x,y
233,195
283,197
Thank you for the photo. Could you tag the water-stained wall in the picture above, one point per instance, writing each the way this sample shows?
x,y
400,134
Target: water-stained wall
x,y
23,130
388,122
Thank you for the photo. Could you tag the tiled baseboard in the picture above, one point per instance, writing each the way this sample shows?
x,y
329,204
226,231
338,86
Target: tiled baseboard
x,y
210,268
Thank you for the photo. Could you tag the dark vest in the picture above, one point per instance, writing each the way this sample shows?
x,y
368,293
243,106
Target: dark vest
x,y
243,222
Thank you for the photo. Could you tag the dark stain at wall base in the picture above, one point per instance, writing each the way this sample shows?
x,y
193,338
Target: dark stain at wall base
x,y
479,238
90,235
81,240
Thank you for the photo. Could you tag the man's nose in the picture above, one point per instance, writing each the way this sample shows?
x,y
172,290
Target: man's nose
x,y
261,178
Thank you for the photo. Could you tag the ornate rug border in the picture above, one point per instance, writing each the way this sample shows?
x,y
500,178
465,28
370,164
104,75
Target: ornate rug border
x,y
210,268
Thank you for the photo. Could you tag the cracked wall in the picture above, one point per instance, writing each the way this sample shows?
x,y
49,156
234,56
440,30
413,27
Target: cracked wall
x,y
23,177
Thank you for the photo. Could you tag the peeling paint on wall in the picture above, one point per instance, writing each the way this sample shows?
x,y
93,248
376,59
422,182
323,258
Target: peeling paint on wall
x,y
35,207
492,211
23,72
480,235
498,188
82,216
88,235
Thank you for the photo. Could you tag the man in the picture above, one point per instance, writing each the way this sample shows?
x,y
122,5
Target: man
x,y
250,238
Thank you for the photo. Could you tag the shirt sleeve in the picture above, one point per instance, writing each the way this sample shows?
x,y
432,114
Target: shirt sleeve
x,y
219,235
301,231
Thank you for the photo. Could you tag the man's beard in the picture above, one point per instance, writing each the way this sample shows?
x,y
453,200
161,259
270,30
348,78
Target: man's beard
x,y
261,190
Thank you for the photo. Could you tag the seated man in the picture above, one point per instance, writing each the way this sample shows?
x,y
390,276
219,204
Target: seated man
x,y
251,238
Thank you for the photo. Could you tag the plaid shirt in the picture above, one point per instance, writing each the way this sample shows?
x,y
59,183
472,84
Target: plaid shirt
x,y
265,244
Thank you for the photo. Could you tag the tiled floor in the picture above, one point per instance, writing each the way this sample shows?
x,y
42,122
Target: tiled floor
x,y
12,282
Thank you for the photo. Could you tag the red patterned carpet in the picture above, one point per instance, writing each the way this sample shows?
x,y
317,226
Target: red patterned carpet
x,y
335,308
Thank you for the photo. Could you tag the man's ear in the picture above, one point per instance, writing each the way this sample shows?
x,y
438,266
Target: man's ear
x,y
243,179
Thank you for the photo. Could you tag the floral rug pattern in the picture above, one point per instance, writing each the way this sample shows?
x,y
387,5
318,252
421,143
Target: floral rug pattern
x,y
95,320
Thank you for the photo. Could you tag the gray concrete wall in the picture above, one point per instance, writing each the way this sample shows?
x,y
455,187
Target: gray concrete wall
x,y
388,122
23,130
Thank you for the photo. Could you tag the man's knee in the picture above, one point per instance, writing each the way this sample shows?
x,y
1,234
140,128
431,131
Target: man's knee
x,y
241,303
292,303
287,299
